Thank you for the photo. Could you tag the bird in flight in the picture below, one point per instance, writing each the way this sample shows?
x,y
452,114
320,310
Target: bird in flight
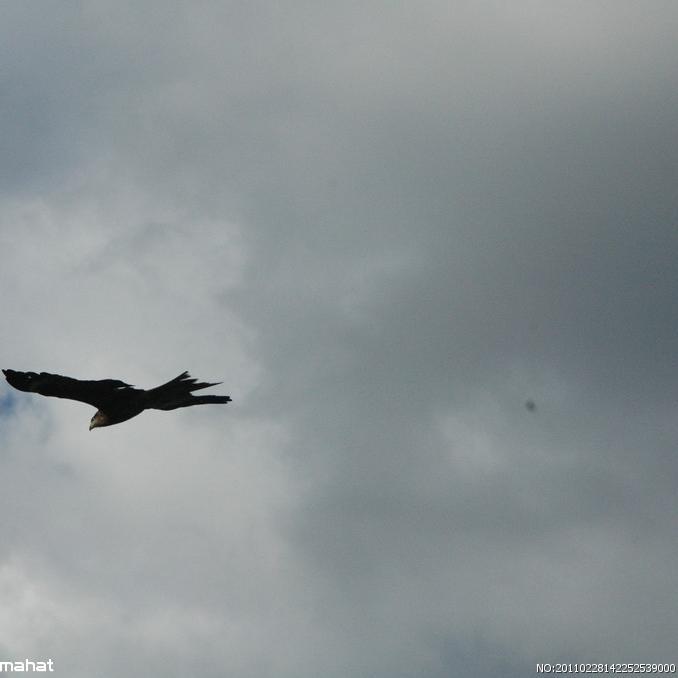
x,y
115,400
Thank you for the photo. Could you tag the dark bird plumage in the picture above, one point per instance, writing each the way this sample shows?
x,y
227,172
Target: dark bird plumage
x,y
115,400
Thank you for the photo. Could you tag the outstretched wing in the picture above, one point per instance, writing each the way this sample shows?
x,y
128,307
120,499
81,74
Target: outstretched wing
x,y
100,393
177,393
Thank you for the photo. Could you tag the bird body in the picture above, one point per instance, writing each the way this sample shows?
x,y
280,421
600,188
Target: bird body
x,y
115,400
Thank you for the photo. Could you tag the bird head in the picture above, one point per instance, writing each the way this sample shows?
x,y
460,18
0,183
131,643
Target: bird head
x,y
99,419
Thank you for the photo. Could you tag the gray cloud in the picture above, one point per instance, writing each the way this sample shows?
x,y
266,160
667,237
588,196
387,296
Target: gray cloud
x,y
385,229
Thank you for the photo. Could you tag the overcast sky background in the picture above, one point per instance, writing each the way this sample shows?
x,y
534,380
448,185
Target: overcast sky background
x,y
385,226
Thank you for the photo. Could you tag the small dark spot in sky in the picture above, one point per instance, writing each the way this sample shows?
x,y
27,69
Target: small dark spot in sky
x,y
530,405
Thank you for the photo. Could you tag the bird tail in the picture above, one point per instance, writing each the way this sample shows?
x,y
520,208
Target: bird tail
x,y
177,393
196,400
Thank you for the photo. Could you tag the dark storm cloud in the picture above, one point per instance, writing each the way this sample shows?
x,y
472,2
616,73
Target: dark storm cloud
x,y
539,214
442,212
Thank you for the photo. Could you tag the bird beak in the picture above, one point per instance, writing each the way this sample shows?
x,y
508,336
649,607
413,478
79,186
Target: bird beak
x,y
91,426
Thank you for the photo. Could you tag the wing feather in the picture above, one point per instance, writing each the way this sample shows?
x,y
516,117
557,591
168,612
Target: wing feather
x,y
177,393
99,393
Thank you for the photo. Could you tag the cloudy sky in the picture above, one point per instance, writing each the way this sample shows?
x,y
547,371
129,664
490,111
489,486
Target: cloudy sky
x,y
385,227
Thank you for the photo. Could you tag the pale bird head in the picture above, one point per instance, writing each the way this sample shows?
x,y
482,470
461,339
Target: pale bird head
x,y
99,419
